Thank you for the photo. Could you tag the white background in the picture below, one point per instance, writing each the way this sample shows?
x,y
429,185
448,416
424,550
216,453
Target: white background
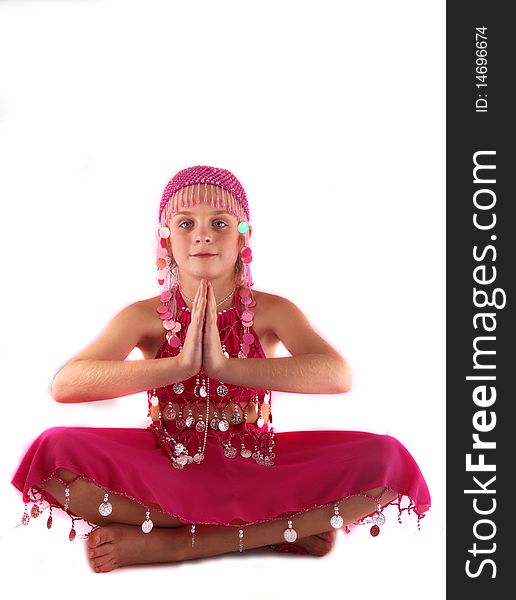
x,y
331,114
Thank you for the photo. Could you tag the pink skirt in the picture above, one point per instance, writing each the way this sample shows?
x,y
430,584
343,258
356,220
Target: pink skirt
x,y
311,469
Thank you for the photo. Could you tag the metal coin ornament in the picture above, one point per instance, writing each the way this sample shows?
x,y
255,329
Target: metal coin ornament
x,y
245,452
378,518
147,525
180,423
179,449
230,452
200,426
169,414
106,508
214,423
190,419
222,390
236,419
290,534
336,521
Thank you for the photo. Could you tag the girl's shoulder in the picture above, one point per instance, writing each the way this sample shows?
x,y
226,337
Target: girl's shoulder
x,y
273,302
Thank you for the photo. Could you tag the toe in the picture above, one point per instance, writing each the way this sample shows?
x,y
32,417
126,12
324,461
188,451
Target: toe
x,y
102,564
101,550
99,536
106,567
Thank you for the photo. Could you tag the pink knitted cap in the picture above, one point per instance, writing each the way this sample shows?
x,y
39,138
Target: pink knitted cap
x,y
207,175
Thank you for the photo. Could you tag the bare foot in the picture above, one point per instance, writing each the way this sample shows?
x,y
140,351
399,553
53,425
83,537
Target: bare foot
x,y
317,545
118,545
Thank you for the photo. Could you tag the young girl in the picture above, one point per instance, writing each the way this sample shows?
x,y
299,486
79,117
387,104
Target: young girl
x,y
209,475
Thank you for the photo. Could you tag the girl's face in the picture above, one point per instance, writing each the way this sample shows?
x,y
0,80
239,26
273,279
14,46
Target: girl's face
x,y
205,241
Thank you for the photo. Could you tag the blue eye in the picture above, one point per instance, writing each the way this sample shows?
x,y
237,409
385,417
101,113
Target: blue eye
x,y
218,224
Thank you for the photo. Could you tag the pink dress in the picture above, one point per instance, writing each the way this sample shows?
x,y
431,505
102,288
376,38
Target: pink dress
x,y
246,472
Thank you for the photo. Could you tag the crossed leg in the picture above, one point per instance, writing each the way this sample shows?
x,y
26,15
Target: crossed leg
x,y
119,541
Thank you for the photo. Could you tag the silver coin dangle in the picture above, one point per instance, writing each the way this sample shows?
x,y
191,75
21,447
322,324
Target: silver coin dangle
x,y
290,534
169,414
223,423
180,423
106,508
378,518
190,419
178,388
336,521
214,423
147,525
245,452
200,426
236,419
229,451
222,389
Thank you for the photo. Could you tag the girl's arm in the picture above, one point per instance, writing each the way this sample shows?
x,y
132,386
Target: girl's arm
x,y
101,372
315,367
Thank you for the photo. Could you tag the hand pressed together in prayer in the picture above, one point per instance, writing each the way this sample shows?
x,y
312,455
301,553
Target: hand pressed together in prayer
x,y
213,359
202,347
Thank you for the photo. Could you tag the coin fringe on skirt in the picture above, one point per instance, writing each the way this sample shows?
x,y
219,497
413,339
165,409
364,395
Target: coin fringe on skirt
x,y
313,469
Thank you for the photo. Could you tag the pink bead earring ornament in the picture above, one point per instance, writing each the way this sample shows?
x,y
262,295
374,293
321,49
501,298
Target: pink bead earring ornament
x,y
161,262
165,281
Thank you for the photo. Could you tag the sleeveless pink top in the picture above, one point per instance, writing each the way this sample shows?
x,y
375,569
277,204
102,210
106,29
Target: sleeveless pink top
x,y
182,434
